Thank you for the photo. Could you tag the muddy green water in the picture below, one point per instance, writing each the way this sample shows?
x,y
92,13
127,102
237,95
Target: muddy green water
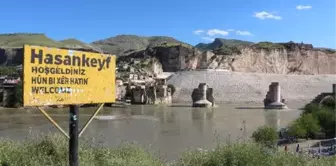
x,y
171,129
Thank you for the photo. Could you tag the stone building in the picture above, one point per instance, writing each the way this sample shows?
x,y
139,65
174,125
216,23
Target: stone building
x,y
325,96
156,92
7,88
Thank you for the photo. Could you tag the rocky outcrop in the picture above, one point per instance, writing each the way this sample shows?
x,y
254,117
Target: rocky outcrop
x,y
172,58
283,58
281,61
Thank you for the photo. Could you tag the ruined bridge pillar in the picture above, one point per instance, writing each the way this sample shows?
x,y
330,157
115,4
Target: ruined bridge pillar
x,y
273,98
202,96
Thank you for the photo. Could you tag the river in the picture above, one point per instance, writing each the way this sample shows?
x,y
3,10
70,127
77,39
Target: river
x,y
170,129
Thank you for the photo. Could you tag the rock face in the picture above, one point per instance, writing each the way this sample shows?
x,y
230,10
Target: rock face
x,y
290,58
279,61
172,58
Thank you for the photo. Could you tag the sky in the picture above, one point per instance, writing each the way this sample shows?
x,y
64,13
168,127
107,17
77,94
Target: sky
x,y
191,21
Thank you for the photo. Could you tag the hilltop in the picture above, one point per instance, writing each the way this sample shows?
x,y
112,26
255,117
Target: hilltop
x,y
124,44
219,43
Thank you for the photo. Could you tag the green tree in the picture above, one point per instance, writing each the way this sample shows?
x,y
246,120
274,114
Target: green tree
x,y
8,70
326,120
310,108
265,135
297,130
306,125
329,102
310,123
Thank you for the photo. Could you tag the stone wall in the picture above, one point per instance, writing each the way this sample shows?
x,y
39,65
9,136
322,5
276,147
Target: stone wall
x,y
159,94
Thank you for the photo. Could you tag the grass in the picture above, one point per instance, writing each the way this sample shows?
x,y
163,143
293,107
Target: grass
x,y
71,42
222,43
248,154
52,150
17,40
269,45
122,44
172,45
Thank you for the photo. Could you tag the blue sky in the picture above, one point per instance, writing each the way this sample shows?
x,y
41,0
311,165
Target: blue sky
x,y
192,21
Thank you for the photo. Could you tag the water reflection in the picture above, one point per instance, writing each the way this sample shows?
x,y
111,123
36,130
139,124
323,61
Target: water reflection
x,y
272,118
170,129
202,119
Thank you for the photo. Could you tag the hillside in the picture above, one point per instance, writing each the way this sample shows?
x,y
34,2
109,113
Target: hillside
x,y
75,43
11,45
219,43
124,44
19,39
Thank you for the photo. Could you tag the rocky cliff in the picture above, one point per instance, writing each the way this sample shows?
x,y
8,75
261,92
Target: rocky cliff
x,y
281,58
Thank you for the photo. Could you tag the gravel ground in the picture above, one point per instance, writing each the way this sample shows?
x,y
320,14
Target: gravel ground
x,y
235,87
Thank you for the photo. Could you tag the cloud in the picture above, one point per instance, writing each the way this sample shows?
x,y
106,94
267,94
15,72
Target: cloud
x,y
230,30
198,32
244,33
213,32
265,15
208,39
303,7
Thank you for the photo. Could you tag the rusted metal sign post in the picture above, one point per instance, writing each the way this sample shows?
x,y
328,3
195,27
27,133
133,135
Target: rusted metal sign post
x,y
55,76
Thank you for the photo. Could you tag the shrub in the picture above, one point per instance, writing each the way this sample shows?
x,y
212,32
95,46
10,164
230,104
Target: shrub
x,y
297,130
8,70
269,45
310,108
227,50
326,120
248,154
265,135
329,103
305,126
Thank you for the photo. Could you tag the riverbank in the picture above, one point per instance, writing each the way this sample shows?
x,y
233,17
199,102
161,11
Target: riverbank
x,y
236,87
53,150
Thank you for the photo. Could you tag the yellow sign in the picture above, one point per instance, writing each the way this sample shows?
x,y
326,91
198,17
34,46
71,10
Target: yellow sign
x,y
55,76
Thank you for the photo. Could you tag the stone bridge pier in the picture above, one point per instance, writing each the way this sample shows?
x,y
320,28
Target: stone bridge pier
x,y
273,98
202,96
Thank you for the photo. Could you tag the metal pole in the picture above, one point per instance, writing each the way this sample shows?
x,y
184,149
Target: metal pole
x,y
73,133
